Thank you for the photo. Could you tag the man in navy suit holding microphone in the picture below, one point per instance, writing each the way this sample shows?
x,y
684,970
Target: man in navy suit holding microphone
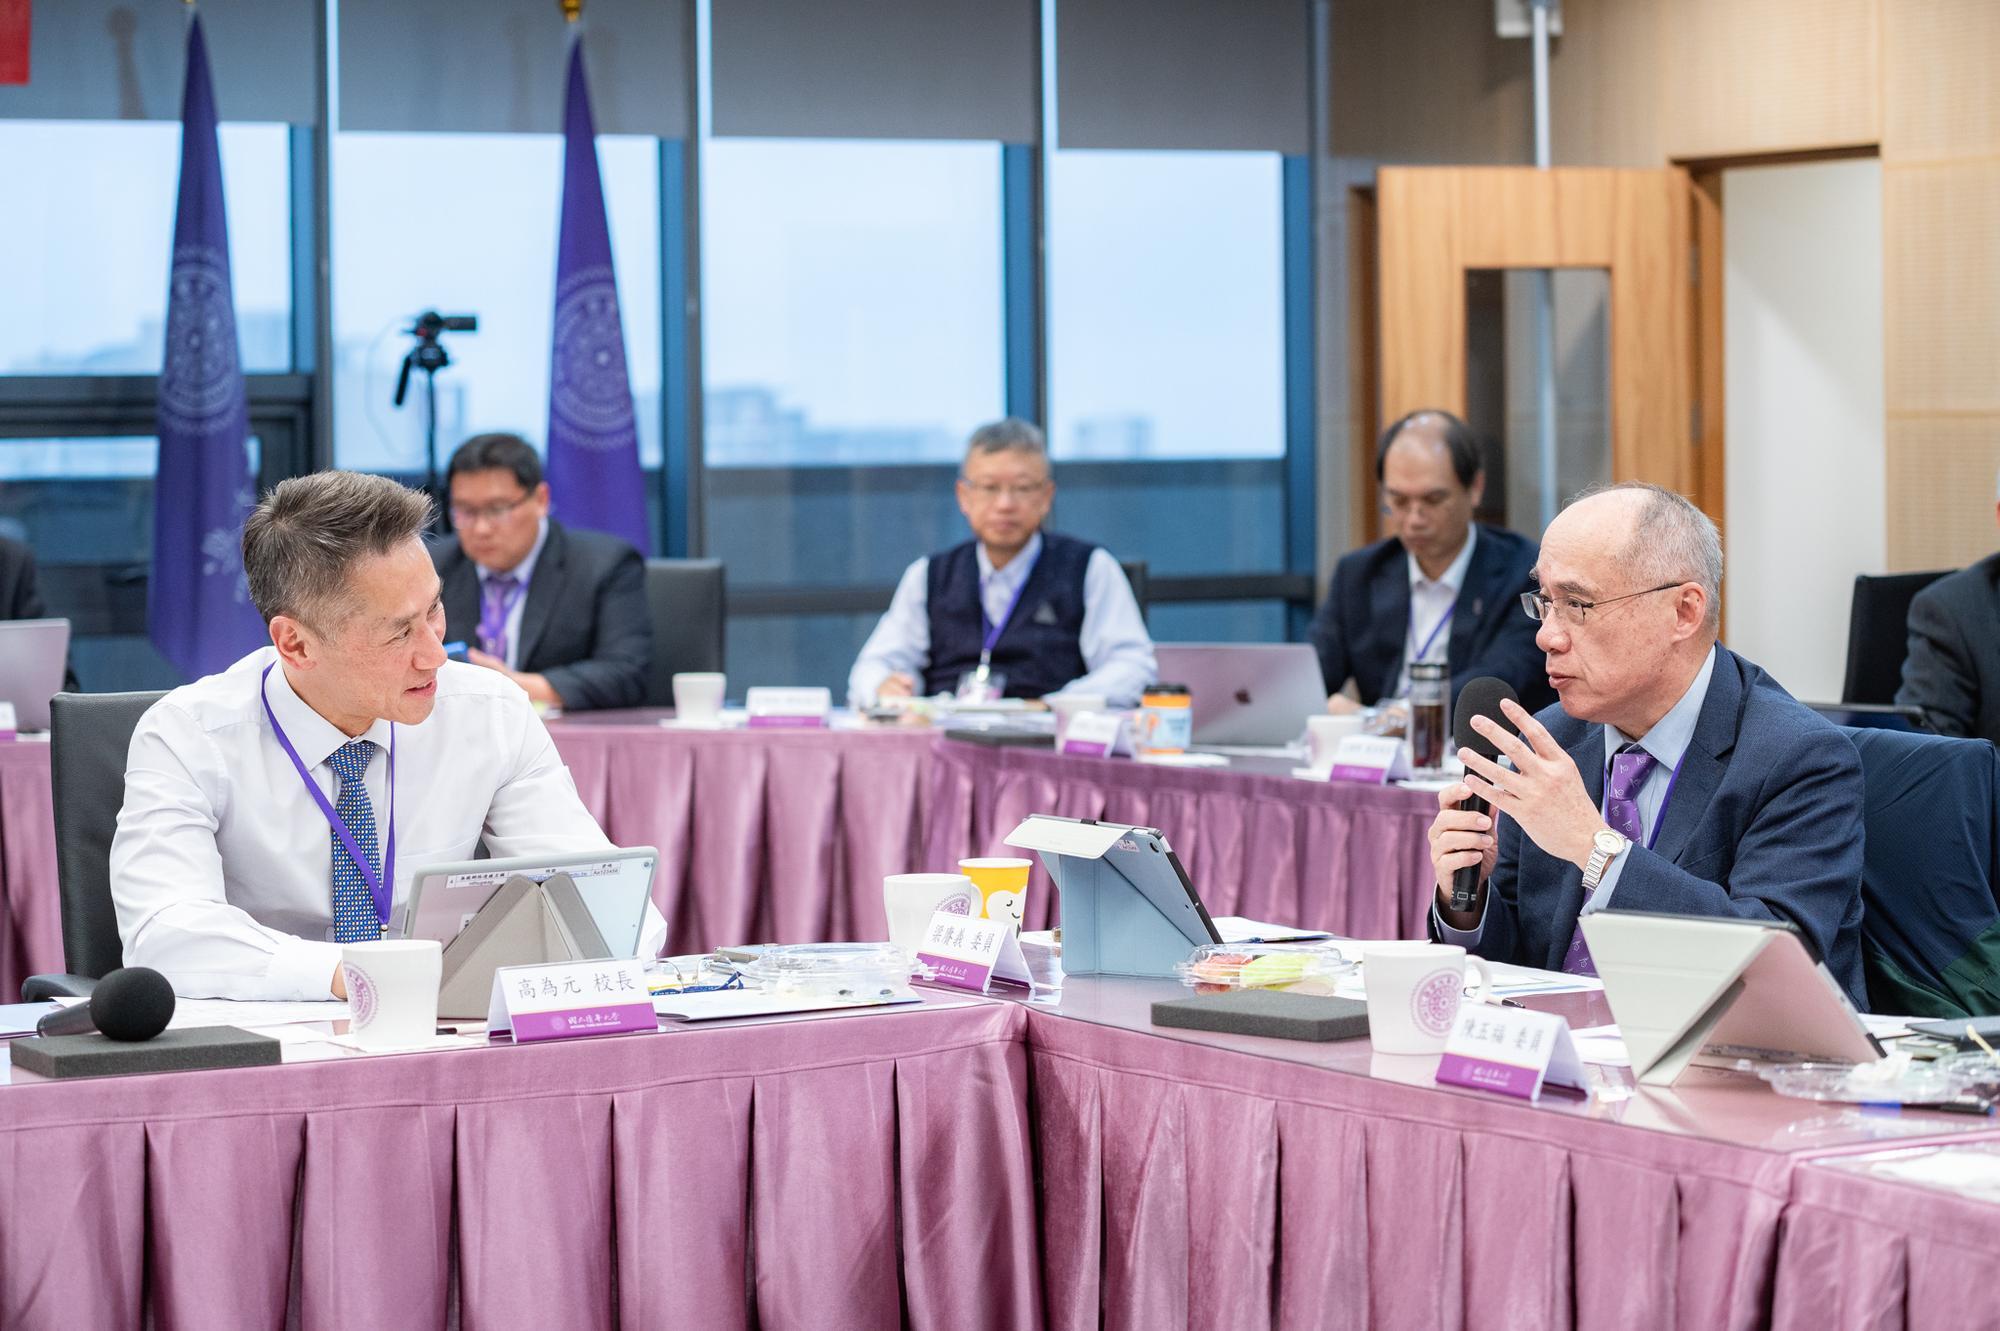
x,y
1674,776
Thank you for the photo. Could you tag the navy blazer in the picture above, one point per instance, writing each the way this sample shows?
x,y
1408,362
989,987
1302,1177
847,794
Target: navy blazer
x,y
1764,823
1361,629
584,625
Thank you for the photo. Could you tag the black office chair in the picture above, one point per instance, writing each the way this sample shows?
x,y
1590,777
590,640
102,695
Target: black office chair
x,y
1135,573
688,602
89,734
1878,634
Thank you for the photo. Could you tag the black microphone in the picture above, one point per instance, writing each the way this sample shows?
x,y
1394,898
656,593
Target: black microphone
x,y
1480,697
130,1004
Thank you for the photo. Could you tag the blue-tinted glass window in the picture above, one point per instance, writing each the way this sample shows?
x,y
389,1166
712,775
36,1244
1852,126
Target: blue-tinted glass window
x,y
1166,305
466,224
87,228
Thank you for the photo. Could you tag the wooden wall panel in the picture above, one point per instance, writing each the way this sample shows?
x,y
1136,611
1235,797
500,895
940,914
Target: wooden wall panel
x,y
1941,490
1941,97
1764,76
1941,285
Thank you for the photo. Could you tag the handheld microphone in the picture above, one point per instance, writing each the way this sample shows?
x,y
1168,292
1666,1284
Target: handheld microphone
x,y
130,1004
1480,697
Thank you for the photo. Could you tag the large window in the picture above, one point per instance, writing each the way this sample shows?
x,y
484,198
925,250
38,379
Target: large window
x,y
852,339
87,229
466,224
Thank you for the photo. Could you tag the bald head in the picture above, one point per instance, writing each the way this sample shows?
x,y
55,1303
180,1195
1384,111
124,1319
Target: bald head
x,y
1655,536
1428,464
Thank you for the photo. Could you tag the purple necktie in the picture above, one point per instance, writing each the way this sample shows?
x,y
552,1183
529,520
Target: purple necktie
x,y
1629,767
497,599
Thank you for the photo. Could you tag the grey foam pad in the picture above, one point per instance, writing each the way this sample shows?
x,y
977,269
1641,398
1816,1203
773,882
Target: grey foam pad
x,y
188,1050
1267,1012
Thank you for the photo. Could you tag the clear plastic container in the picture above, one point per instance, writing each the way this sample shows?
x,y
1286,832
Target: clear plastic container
x,y
832,970
1216,967
1893,1080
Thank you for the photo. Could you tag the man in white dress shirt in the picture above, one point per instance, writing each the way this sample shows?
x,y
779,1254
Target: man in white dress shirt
x,y
247,849
1037,612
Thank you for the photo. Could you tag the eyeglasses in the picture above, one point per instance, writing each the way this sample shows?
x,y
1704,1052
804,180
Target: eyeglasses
x,y
464,516
1568,610
986,491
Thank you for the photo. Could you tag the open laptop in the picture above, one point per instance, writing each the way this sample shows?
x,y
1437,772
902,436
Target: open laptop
x,y
614,885
1246,694
34,654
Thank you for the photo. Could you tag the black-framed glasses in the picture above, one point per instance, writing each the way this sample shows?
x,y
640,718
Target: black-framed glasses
x,y
1569,610
464,516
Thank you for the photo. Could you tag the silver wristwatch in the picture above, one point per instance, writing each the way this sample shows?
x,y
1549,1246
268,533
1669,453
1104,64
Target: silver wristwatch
x,y
1605,847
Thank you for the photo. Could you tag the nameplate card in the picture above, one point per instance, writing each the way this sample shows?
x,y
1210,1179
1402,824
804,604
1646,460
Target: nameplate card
x,y
1509,1051
1374,759
1094,734
788,709
973,954
8,721
565,999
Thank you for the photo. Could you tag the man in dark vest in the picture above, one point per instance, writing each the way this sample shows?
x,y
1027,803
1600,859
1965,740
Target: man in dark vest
x,y
1022,611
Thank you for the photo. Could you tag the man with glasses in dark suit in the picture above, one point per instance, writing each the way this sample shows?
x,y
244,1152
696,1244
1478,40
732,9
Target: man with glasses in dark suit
x,y
1674,776
559,610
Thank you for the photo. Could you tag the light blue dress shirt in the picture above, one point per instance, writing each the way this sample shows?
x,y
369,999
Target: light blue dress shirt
x,y
525,573
1667,742
1117,650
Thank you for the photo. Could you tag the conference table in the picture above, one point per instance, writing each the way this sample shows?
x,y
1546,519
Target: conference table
x,y
785,835
975,1162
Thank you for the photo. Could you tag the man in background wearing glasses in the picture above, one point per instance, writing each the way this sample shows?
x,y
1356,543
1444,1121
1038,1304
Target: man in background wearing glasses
x,y
560,611
1026,611
1440,588
1674,776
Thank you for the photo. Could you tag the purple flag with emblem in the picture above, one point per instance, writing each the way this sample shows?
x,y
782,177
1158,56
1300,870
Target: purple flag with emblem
x,y
593,469
199,612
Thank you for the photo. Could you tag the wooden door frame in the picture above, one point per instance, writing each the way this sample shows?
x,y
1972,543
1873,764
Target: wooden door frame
x,y
1435,223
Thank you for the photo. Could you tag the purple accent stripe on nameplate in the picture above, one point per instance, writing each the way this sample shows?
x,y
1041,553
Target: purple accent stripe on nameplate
x,y
1083,748
787,723
1374,776
612,1020
958,974
1480,1075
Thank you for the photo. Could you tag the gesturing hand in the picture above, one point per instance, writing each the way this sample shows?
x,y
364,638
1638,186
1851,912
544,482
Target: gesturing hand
x,y
1544,793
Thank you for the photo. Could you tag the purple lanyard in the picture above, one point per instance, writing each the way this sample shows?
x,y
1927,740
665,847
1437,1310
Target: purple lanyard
x,y
993,631
381,885
493,624
1660,818
1436,629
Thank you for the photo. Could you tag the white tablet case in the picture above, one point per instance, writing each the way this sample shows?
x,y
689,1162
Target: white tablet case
x,y
1679,984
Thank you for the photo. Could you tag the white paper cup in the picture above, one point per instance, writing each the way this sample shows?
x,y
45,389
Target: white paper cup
x,y
1068,705
698,697
1323,736
911,899
392,991
1414,990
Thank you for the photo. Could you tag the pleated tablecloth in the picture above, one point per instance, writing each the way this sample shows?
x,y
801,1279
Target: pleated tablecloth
x,y
30,909
668,1180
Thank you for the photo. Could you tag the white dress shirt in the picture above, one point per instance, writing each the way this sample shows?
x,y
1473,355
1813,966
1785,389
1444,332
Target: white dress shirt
x,y
222,865
1117,650
1668,742
524,573
1431,599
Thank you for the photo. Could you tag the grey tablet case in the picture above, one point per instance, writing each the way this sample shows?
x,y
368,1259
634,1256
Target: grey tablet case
x,y
522,924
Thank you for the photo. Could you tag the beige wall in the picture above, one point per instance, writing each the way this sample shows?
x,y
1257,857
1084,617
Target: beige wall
x,y
1642,82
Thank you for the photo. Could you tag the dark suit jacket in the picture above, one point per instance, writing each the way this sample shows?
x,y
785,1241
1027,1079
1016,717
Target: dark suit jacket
x,y
1953,669
1360,630
584,624
19,597
1764,823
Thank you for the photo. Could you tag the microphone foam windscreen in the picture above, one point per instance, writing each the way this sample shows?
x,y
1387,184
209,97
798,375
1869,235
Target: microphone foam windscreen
x,y
1482,697
135,1003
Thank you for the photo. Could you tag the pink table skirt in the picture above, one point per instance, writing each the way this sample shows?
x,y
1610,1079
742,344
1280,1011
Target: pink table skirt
x,y
871,1171
30,909
1347,858
1192,1186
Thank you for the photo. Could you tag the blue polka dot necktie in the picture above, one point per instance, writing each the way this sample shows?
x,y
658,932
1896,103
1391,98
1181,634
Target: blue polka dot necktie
x,y
1630,767
354,917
